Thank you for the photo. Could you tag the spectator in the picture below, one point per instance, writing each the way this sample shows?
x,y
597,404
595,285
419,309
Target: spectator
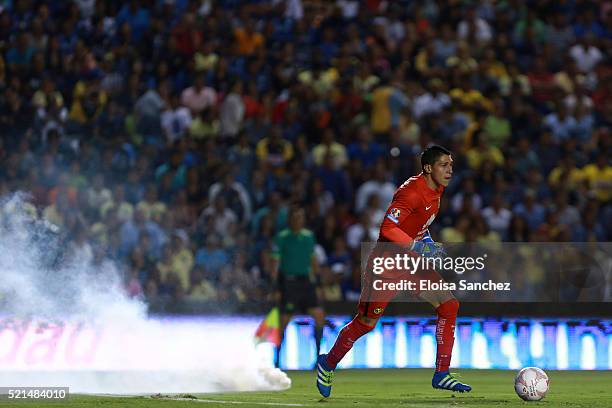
x,y
273,150
212,256
201,287
474,28
231,112
590,230
387,101
88,102
463,60
20,55
560,34
248,40
276,210
542,84
498,216
242,156
174,170
599,177
175,120
181,260
586,54
97,194
327,146
432,102
131,230
198,96
530,28
379,185
205,125
222,218
518,230
234,195
561,123
143,100
482,151
123,209
150,206
565,174
526,157
324,199
497,126
458,231
334,179
136,16
466,193
148,110
365,149
445,46
363,231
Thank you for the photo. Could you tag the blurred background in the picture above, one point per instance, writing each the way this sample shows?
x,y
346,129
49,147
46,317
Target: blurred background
x,y
170,136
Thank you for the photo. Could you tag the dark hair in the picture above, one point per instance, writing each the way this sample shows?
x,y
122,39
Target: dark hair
x,y
431,154
293,209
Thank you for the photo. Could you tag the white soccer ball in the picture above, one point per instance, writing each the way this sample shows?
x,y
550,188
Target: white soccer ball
x,y
531,384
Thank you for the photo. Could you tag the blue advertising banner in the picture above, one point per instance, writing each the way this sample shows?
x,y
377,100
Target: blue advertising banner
x,y
576,344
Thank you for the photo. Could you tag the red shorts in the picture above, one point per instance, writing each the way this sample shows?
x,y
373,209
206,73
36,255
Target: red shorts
x,y
375,291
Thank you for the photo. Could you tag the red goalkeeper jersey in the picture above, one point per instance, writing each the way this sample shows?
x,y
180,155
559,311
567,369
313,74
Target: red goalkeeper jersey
x,y
413,209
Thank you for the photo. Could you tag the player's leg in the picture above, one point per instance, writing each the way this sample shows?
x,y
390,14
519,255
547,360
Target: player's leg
x,y
371,306
285,318
446,308
326,363
318,314
287,309
436,297
350,333
310,303
362,324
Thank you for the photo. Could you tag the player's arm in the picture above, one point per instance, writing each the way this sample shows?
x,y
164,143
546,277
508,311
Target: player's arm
x,y
314,265
314,261
401,207
396,235
275,260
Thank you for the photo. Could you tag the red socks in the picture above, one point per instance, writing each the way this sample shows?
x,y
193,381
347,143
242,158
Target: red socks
x,y
445,333
348,335
445,336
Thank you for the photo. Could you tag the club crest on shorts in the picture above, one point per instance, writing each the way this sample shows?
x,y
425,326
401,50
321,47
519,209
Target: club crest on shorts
x,y
394,215
378,310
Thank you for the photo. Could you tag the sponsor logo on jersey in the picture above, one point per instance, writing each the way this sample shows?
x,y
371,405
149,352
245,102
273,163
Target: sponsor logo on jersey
x,y
394,215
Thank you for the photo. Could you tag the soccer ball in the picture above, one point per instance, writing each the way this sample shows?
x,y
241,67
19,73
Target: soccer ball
x,y
531,384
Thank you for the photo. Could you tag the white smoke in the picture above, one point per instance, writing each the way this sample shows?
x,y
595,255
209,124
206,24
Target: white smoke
x,y
42,279
65,320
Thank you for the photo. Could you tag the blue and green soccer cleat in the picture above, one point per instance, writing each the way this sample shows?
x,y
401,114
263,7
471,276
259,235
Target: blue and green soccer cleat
x,y
325,376
444,380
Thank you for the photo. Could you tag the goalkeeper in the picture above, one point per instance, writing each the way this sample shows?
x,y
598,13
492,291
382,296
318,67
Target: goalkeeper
x,y
414,207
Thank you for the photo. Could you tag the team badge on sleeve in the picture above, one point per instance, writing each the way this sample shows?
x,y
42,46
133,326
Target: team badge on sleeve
x,y
394,215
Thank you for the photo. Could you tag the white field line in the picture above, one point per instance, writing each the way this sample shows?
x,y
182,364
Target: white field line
x,y
203,401
209,401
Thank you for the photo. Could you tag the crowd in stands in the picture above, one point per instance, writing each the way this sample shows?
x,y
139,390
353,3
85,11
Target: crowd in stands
x,y
171,135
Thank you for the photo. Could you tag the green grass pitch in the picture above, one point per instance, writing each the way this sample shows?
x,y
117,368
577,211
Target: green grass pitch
x,y
382,389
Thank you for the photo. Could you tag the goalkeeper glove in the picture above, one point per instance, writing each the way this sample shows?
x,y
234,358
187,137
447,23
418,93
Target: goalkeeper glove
x,y
427,238
427,247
